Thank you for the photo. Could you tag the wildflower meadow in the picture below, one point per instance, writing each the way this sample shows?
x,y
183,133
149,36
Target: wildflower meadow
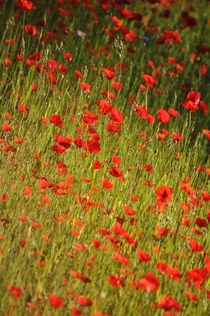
x,y
104,157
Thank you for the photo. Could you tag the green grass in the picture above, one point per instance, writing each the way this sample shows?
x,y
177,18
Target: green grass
x,y
40,266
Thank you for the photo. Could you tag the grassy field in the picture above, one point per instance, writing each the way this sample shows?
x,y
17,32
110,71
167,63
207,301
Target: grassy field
x,y
104,157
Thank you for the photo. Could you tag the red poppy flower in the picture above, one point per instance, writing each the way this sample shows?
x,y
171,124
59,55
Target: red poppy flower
x,y
78,142
116,116
149,283
195,246
168,303
52,64
68,56
116,160
90,118
164,194
84,301
61,168
119,230
110,74
169,36
200,222
16,291
96,243
130,36
197,275
116,281
97,313
113,127
107,184
80,276
78,74
194,96
204,107
173,273
189,105
97,165
55,119
117,21
62,69
85,86
162,231
206,196
143,256
173,112
163,116
104,107
93,146
6,127
122,259
25,5
64,141
30,29
207,133
149,80
56,301
192,296
75,311
177,137
128,210
58,148
27,191
162,267
115,172
8,62
117,85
